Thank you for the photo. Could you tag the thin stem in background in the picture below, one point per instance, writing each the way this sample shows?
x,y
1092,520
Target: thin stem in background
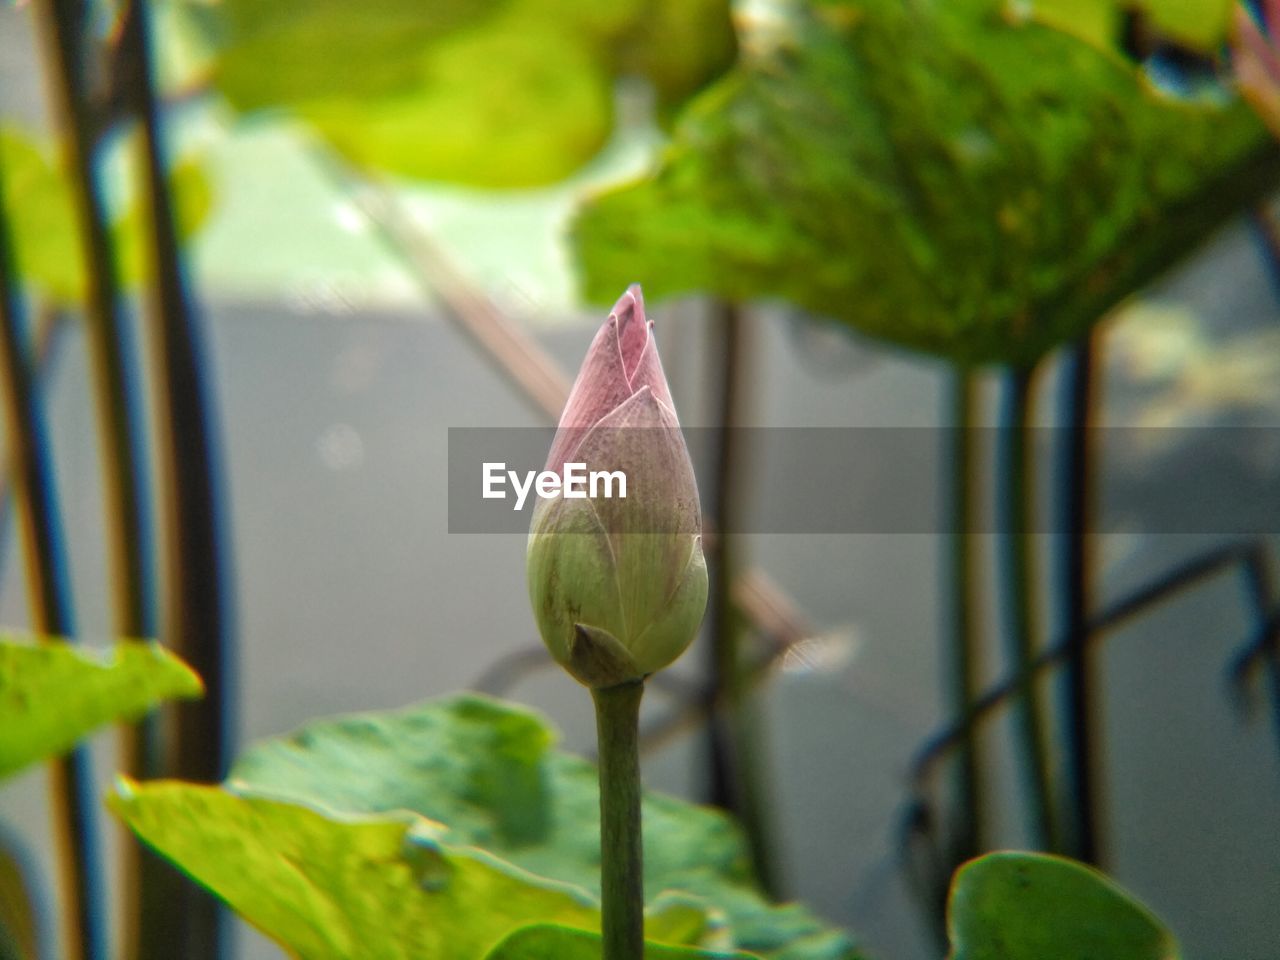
x,y
67,38
19,914
195,607
85,936
50,325
734,744
1270,642
1247,557
1264,646
1081,705
65,30
932,846
621,846
960,662
1017,540
722,650
1267,232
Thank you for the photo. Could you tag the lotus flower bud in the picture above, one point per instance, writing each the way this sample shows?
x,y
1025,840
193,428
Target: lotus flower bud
x,y
619,583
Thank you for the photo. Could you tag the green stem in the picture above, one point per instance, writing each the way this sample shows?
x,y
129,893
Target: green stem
x,y
621,858
1018,541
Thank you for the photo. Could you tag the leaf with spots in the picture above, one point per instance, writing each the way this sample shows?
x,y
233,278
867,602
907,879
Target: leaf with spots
x,y
944,176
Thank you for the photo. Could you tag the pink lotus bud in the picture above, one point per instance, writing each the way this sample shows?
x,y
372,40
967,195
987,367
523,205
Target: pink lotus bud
x,y
618,583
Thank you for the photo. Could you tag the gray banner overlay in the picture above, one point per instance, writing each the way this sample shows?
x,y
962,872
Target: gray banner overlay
x,y
898,479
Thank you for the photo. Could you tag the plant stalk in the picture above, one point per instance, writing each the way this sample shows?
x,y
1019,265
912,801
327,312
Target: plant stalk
x,y
1081,706
1017,538
962,654
64,28
1245,556
67,38
621,848
195,611
51,612
737,761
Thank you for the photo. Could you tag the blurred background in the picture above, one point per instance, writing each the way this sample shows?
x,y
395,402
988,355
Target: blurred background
x,y
395,221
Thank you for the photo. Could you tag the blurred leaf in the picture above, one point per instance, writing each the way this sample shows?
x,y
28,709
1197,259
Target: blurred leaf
x,y
326,886
1098,21
680,918
1199,25
545,941
679,46
193,196
17,909
192,199
1031,906
53,693
37,202
938,175
486,769
36,198
486,92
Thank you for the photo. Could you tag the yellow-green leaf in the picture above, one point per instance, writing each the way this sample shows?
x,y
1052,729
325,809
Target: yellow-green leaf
x,y
332,887
54,693
36,201
352,824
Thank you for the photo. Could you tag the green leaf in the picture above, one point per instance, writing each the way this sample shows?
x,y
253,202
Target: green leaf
x,y
328,886
52,694
546,941
489,93
485,773
942,176
1030,906
486,769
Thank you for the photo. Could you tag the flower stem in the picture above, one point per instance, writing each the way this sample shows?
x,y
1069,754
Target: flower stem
x,y
621,861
